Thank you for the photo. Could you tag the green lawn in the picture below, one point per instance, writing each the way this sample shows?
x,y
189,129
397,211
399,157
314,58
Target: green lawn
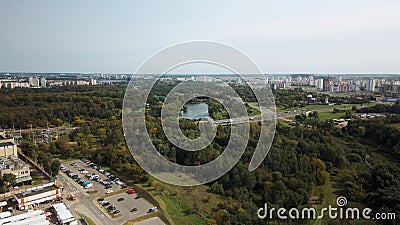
x,y
181,211
186,205
320,106
331,115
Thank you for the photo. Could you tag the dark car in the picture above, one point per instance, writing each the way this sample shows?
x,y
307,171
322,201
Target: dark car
x,y
120,199
138,196
116,211
108,186
134,210
106,203
111,208
100,199
124,186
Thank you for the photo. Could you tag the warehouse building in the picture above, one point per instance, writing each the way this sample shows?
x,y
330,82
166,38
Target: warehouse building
x,y
37,195
36,217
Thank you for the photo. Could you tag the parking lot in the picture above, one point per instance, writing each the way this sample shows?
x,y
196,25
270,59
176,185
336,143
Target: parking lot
x,y
127,204
103,186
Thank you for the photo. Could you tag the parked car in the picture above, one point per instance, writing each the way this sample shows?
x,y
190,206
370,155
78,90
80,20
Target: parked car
x,y
131,191
134,210
152,209
105,203
120,199
100,199
138,196
109,191
116,211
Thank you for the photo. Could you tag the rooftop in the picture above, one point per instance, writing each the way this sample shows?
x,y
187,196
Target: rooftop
x,y
12,162
35,191
3,144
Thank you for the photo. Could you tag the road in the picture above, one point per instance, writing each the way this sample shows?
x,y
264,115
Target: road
x,y
279,115
84,202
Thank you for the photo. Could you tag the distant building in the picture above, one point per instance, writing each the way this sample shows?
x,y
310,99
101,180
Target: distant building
x,y
92,82
34,82
319,84
326,85
371,85
43,82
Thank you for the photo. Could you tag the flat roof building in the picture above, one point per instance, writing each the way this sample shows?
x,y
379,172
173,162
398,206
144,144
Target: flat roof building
x,y
64,216
36,195
29,218
15,166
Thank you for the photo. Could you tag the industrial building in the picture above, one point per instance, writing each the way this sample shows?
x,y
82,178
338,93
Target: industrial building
x,y
15,166
64,216
36,217
36,195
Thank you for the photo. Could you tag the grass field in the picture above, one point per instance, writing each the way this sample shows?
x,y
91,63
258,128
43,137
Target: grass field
x,y
331,115
186,205
321,106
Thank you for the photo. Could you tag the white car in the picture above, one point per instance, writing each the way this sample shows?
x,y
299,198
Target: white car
x,y
84,172
109,191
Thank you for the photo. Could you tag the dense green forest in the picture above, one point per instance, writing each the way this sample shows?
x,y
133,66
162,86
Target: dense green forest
x,y
359,161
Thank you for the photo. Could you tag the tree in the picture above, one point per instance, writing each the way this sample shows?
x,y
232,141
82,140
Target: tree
x,y
216,188
9,179
348,114
55,167
64,147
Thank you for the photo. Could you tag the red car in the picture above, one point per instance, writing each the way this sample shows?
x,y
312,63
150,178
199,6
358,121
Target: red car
x,y
131,191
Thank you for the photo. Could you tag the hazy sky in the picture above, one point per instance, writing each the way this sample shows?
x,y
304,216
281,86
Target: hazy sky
x,y
281,36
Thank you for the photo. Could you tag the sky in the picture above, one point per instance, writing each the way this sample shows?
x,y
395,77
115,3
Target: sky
x,y
341,36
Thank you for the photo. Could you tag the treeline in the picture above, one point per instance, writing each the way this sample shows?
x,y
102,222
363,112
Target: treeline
x,y
382,108
56,106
